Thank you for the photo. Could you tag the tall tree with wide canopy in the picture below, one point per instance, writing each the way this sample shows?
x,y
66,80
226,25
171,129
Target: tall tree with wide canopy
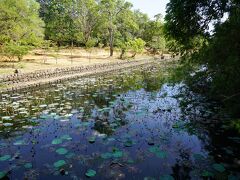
x,y
20,27
111,10
20,22
187,20
59,16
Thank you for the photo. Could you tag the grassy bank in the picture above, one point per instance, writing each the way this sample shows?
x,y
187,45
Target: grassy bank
x,y
40,59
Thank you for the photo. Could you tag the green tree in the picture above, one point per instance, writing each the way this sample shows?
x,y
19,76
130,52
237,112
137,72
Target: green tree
x,y
20,27
88,19
188,23
59,16
154,34
127,28
12,50
137,45
111,10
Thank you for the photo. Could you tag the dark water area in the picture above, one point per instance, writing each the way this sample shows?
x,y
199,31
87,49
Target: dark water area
x,y
129,125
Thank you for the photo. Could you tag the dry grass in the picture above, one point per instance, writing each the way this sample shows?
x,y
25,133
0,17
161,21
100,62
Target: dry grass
x,y
41,59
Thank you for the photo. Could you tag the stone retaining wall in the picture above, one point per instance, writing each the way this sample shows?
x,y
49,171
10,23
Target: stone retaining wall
x,y
35,79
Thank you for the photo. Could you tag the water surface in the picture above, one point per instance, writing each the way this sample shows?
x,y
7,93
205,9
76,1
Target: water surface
x,y
129,125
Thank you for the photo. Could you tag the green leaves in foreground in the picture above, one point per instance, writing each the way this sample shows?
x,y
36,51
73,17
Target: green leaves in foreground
x,y
90,173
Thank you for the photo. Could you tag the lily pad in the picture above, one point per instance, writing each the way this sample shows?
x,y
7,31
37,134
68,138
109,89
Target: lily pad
x,y
149,178
91,173
57,141
5,157
128,143
166,177
117,154
106,155
28,165
66,137
19,143
219,167
7,124
6,118
62,151
207,174
92,139
70,155
153,149
59,163
161,154
2,174
198,156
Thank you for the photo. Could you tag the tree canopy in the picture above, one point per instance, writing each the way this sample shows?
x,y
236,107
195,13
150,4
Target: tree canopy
x,y
188,23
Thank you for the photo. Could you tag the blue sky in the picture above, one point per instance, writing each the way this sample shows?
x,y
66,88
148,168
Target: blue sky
x,y
151,7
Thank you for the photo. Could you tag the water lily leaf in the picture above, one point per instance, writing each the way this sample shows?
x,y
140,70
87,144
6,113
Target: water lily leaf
x,y
85,124
92,139
198,156
207,174
111,139
28,165
106,155
66,137
70,155
62,151
232,177
128,143
117,154
7,124
166,177
161,154
153,149
59,163
5,157
130,161
19,143
2,174
57,141
149,178
6,118
43,106
219,167
91,173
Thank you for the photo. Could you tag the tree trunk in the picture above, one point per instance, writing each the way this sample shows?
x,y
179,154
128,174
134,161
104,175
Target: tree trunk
x,y
111,41
122,53
134,55
72,52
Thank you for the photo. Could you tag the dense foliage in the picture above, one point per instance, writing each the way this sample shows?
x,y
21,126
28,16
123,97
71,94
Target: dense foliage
x,y
20,26
84,23
216,53
110,23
